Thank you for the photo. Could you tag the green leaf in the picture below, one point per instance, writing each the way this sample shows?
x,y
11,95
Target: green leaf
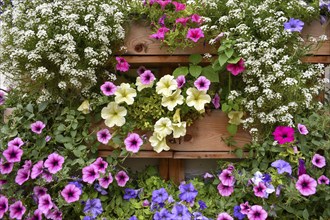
x,y
216,65
29,107
234,60
236,107
222,59
229,52
61,127
225,107
42,106
183,70
209,73
195,71
305,214
222,48
195,58
77,152
239,152
232,129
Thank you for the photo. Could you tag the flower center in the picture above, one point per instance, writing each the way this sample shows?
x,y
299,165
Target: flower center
x,y
55,163
256,214
304,184
13,154
70,194
134,142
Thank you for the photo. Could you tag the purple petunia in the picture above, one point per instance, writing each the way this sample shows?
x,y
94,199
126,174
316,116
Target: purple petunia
x,y
323,180
257,213
318,161
3,206
100,189
180,211
216,101
22,176
163,3
47,176
106,181
237,213
188,192
54,163
71,193
147,77
90,174
13,154
179,6
225,190
108,88
45,203
17,142
104,136
100,165
181,80
224,216
37,215
260,190
37,127
302,129
17,210
159,196
301,167
93,207
37,169
160,35
226,177
202,205
294,25
283,134
202,83
161,20
121,178
130,193
39,191
133,142
122,65
306,185
141,70
195,34
6,167
245,208
162,214
236,68
282,166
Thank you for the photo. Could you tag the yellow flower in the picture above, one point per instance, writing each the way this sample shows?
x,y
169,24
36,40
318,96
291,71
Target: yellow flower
x,y
235,117
176,116
114,115
84,107
179,129
197,98
158,143
173,100
163,127
125,93
141,86
166,85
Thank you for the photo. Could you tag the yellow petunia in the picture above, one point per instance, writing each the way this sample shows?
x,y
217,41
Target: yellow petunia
x,y
179,129
173,100
197,98
84,107
163,127
114,115
166,85
235,117
125,93
158,143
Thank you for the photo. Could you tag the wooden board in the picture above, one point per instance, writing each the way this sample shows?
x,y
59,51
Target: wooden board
x,y
204,155
141,154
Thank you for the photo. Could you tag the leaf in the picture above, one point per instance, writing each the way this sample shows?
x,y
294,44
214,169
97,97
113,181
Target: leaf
x,y
42,106
183,70
195,71
225,107
209,73
77,152
229,52
222,48
68,146
232,129
233,60
29,107
216,65
195,58
305,214
239,152
222,59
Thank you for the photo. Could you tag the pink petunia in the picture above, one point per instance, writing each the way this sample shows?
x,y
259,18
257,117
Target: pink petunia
x,y
259,190
147,77
306,185
226,177
108,88
71,193
37,127
90,174
179,6
104,136
45,203
163,3
3,206
54,163
302,129
17,210
236,68
182,20
6,167
160,35
318,161
122,64
39,191
245,208
121,178
100,165
283,134
196,18
202,83
195,34
216,101
13,154
224,216
181,80
133,142
323,180
37,169
22,176
257,213
225,190
106,181
17,142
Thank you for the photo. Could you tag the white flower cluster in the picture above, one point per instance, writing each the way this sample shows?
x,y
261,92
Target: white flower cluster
x,y
277,83
60,44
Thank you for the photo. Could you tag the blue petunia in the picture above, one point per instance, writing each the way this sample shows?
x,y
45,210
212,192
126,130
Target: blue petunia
x,y
282,166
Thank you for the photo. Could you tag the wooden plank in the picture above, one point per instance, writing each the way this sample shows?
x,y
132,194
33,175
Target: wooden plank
x,y
204,155
316,59
176,170
164,168
315,29
323,49
141,154
138,42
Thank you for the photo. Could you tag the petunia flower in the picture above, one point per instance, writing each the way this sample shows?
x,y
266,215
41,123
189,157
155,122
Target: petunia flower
x,y
237,213
179,129
163,214
22,176
207,175
37,215
121,178
318,161
140,86
2,98
6,167
48,138
130,194
147,77
17,210
180,80
282,166
236,68
158,142
163,127
100,165
45,203
257,213
173,100
125,93
224,216
54,214
133,142
54,163
13,154
47,176
196,18
39,191
84,107
141,70
103,136
225,190
166,85
106,181
37,169
216,101
163,3
195,34
188,192
182,20
108,88
122,65
294,25
306,185
197,99
245,208
16,142
93,207
37,127
161,20
180,211
283,134
227,178
114,115
323,180
3,206
235,117
160,34
90,174
71,193
27,165
301,167
260,190
202,83
179,6
302,129
159,195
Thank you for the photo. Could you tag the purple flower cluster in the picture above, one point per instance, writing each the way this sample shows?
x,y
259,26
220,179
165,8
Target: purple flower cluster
x,y
262,185
227,181
187,192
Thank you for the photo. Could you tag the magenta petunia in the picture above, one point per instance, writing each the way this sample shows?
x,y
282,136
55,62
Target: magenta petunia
x,y
45,203
147,77
163,3
121,178
181,80
323,180
90,174
160,35
39,191
108,88
104,136
37,169
27,164
54,163
141,70
17,210
259,190
179,6
236,68
3,206
71,193
202,83
133,142
318,161
122,64
225,190
302,129
17,142
224,216
257,213
6,167
37,215
196,18
47,176
37,127
106,181
283,134
182,20
195,34
54,214
245,208
226,177
306,185
100,165
22,176
13,154
216,101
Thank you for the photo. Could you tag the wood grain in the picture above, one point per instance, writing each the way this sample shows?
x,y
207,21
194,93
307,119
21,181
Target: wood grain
x,y
204,155
316,59
164,168
141,154
176,170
